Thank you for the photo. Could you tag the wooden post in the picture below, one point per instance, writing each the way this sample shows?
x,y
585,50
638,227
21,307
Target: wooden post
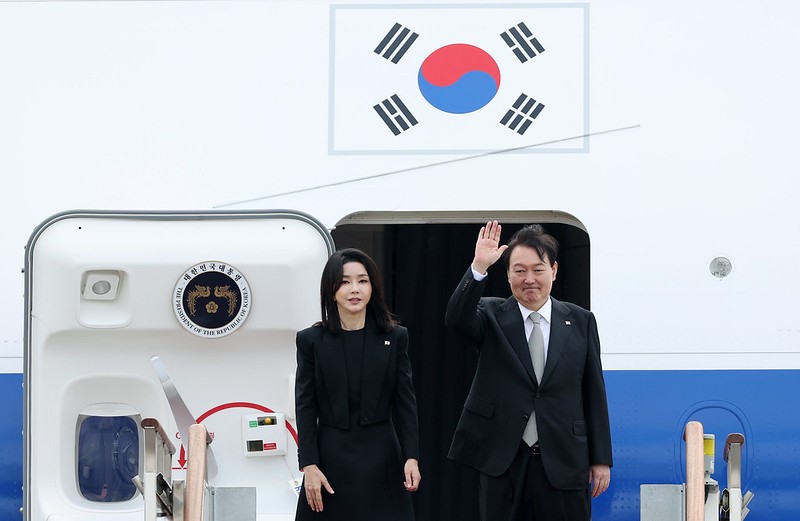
x,y
195,473
695,472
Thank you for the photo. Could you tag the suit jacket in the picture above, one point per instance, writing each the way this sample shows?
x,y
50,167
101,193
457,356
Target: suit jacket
x,y
321,387
570,401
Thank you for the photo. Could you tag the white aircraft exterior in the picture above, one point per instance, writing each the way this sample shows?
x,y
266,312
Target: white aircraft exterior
x,y
661,134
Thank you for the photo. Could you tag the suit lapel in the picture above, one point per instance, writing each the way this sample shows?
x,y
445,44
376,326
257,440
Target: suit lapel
x,y
559,332
378,349
334,369
510,321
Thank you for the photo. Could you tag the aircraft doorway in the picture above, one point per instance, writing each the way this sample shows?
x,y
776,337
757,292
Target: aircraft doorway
x,y
421,261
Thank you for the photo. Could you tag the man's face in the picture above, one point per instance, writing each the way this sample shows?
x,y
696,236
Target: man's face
x,y
530,277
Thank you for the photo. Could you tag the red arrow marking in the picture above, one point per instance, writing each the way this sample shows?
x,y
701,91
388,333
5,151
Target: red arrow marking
x,y
232,405
182,458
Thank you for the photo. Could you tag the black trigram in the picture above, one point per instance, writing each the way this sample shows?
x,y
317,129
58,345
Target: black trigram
x,y
396,42
523,111
522,42
395,114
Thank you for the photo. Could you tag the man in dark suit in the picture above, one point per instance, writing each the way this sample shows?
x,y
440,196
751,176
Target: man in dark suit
x,y
535,423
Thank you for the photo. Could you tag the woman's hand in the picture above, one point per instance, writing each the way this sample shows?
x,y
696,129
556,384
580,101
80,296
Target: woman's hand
x,y
411,470
313,482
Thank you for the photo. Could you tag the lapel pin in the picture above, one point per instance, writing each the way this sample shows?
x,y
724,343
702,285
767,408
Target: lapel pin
x,y
567,322
387,343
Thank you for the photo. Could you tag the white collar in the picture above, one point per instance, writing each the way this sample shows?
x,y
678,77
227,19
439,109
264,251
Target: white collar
x,y
546,310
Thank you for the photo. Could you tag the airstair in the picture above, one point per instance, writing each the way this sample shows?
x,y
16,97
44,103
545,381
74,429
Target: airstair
x,y
218,297
699,498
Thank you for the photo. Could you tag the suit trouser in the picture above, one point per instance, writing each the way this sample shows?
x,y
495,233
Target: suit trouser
x,y
523,493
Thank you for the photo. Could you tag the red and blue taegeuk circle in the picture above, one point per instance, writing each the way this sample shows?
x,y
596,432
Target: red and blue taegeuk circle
x,y
459,78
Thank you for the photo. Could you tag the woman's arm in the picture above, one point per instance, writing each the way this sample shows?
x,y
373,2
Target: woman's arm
x,y
405,403
306,401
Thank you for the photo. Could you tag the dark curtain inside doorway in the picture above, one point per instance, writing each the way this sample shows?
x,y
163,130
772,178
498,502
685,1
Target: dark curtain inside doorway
x,y
421,264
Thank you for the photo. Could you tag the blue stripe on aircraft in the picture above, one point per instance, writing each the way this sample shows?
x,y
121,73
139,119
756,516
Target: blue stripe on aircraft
x,y
11,446
648,411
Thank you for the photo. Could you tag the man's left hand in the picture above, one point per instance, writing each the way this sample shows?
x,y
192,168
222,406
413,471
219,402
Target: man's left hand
x,y
600,478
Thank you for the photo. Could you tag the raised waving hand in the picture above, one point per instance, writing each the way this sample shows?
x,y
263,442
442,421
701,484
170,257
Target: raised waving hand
x,y
487,248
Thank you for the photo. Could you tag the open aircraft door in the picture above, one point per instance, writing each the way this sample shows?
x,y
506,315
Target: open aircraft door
x,y
217,297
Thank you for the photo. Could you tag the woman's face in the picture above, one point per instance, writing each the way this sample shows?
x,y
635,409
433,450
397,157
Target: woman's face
x,y
356,289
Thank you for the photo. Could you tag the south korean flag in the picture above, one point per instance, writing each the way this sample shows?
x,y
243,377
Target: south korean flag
x,y
442,79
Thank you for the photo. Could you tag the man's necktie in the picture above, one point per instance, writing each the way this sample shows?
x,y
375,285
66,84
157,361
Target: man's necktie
x,y
536,348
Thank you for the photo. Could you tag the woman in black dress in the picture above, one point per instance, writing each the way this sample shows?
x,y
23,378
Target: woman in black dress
x,y
356,411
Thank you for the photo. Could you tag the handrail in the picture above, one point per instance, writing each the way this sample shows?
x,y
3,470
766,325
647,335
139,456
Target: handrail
x,y
158,452
196,469
152,423
734,437
695,471
733,455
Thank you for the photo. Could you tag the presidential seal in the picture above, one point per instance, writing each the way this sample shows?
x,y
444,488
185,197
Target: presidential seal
x,y
211,299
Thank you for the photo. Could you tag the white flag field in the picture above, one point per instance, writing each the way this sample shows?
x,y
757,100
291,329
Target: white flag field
x,y
522,79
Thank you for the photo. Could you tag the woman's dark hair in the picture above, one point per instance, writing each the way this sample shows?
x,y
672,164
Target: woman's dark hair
x,y
534,236
377,312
